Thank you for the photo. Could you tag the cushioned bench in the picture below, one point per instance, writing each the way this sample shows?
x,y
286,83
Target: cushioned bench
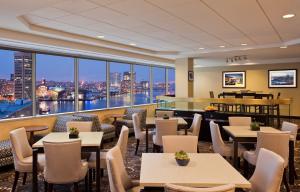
x,y
6,156
127,120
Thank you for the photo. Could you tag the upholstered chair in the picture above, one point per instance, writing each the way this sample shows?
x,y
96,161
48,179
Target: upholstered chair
x,y
139,133
63,163
276,142
164,127
128,121
119,181
22,154
224,149
178,188
160,113
239,121
268,172
175,143
82,126
195,127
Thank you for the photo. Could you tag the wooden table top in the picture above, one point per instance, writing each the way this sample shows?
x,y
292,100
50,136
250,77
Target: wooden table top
x,y
34,128
151,120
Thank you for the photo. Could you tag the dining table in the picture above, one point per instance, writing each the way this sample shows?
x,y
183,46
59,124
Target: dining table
x,y
150,123
203,170
244,134
90,142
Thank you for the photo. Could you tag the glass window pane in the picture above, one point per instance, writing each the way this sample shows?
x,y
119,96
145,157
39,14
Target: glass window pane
x,y
141,85
92,84
120,84
15,84
55,85
171,81
159,82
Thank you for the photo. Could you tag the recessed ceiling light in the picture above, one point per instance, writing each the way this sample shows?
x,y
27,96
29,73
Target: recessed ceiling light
x,y
283,47
244,44
100,36
201,48
287,16
221,46
132,44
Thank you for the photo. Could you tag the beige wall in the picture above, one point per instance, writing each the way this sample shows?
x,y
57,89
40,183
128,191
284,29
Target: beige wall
x,y
210,79
7,125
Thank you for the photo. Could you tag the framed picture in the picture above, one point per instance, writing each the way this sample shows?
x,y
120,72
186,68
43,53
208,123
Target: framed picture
x,y
191,75
283,78
234,79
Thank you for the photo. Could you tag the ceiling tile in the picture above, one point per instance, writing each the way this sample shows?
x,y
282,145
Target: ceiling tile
x,y
50,13
76,20
76,6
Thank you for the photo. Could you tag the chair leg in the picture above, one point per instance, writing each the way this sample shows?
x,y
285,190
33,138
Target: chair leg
x,y
76,189
24,178
102,172
285,182
45,186
90,179
246,169
137,146
295,173
17,173
50,187
86,182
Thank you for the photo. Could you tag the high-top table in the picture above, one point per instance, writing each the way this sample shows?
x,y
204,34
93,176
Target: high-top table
x,y
90,142
150,123
243,134
203,170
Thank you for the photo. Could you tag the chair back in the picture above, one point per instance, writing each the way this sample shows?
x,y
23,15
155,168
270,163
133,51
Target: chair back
x,y
175,143
82,126
123,140
119,180
195,127
217,141
165,127
239,121
211,94
20,147
62,161
268,172
276,142
292,128
162,113
137,125
178,188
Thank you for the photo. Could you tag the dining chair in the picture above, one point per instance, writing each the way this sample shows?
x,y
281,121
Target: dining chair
x,y
195,127
224,149
82,126
163,127
119,180
177,188
268,172
276,142
139,133
175,143
239,121
63,164
22,155
163,113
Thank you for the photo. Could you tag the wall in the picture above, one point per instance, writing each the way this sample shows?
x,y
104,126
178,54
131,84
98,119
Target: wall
x,y
7,125
210,79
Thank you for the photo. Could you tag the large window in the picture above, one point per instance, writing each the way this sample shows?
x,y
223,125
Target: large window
x,y
171,81
15,84
159,82
92,84
120,84
141,84
55,87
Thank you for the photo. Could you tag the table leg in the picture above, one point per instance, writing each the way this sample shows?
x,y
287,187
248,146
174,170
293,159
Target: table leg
x,y
235,153
185,130
147,144
31,137
291,163
98,169
34,170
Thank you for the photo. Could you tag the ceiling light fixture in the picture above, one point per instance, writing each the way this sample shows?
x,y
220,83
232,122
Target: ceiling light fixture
x,y
132,44
222,46
287,16
201,48
243,44
100,36
283,47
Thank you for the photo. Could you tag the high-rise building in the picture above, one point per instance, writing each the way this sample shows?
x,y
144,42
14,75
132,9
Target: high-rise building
x,y
23,75
127,76
115,79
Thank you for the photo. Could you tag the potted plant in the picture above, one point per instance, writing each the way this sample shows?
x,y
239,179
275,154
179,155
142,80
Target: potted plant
x,y
255,126
182,158
73,133
166,116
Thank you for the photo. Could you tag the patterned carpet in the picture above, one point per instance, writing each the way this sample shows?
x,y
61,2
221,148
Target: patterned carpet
x,y
133,167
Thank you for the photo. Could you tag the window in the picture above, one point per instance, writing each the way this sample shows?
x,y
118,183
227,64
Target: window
x,y
15,84
159,82
92,84
141,84
171,81
119,84
55,87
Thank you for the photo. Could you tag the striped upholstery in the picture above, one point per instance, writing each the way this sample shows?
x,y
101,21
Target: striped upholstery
x,y
6,157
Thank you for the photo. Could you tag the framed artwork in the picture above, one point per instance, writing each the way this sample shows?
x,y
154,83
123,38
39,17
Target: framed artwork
x,y
191,75
234,79
283,78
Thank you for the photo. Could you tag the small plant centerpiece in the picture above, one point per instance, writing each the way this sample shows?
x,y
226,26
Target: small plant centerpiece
x,y
73,133
210,108
255,126
182,158
166,116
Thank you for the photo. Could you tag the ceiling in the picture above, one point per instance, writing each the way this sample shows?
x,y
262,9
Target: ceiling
x,y
166,28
